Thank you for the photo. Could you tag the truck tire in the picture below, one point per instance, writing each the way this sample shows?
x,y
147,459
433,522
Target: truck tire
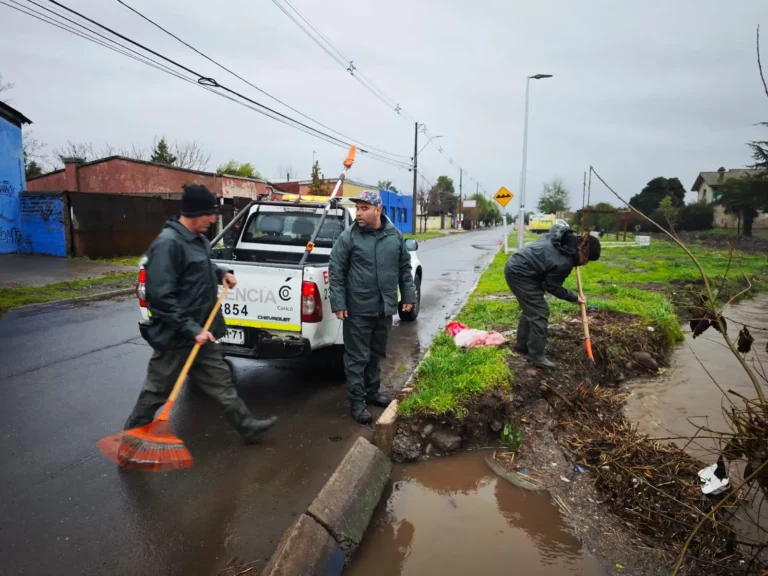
x,y
414,313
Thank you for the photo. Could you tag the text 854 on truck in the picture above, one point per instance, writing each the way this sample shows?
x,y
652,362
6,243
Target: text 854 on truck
x,y
279,252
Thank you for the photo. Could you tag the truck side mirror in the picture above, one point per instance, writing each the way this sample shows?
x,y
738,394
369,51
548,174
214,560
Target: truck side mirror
x,y
411,245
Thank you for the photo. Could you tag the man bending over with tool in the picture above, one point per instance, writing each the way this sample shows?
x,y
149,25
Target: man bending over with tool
x,y
368,263
181,290
542,267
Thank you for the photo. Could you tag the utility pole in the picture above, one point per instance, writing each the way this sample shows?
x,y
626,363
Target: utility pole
x,y
461,198
521,216
415,166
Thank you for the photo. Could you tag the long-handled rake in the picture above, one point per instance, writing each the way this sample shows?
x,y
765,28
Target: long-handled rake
x,y
154,447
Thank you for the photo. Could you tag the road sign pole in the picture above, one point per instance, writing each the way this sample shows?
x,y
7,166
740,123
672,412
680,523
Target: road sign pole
x,y
506,233
503,197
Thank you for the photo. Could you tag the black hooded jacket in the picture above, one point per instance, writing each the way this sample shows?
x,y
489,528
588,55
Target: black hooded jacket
x,y
547,262
182,288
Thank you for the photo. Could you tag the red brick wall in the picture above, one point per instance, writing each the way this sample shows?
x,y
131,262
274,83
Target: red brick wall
x,y
54,181
124,176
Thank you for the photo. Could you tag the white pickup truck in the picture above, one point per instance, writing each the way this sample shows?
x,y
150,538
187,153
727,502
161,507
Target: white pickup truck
x,y
281,305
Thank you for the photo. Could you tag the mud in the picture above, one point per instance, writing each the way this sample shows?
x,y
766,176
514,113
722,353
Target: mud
x,y
454,516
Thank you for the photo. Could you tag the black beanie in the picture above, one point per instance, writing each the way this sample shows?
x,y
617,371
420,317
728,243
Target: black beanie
x,y
197,200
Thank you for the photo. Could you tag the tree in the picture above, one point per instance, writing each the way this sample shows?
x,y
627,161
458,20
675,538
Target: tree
x,y
655,191
162,154
422,197
745,197
235,168
759,148
387,185
554,198
33,157
5,86
318,186
442,196
488,211
190,155
668,211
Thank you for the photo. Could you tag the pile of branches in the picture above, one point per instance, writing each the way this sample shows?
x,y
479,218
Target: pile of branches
x,y
653,487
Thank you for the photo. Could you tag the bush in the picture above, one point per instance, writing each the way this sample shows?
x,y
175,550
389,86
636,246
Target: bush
x,y
691,217
696,216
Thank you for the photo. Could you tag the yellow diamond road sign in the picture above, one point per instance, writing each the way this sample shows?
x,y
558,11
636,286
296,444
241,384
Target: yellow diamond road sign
x,y
503,196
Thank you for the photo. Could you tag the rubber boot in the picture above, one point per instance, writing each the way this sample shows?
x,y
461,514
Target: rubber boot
x,y
256,427
378,400
360,413
542,361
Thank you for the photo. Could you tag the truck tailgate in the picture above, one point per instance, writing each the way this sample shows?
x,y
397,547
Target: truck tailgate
x,y
265,297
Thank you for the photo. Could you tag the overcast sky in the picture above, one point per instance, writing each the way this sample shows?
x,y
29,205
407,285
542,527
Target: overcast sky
x,y
640,89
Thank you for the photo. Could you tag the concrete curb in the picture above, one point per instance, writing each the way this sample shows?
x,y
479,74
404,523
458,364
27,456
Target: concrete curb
x,y
78,300
321,541
385,428
306,548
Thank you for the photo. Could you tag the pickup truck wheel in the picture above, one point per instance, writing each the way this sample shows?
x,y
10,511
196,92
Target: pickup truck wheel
x,y
413,314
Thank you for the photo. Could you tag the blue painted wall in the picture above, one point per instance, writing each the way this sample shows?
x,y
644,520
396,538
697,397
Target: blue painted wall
x,y
11,183
43,224
399,209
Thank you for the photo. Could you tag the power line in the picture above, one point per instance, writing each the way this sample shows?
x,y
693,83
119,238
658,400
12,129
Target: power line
x,y
139,57
340,58
127,52
204,82
327,46
191,47
144,60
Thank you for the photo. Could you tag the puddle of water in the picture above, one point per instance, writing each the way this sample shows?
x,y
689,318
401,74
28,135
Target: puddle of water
x,y
453,516
662,406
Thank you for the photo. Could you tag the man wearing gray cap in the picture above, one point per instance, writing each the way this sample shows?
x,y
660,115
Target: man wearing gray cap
x,y
369,262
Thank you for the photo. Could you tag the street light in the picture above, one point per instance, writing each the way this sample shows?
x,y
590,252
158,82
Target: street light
x,y
521,216
428,141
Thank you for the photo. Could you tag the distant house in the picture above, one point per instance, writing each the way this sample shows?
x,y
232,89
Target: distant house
x,y
121,175
707,186
11,177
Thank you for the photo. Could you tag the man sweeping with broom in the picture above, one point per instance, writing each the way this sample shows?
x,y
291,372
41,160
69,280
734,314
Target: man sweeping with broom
x,y
182,286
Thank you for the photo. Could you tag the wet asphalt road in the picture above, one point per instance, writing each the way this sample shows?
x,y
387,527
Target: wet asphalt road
x,y
70,375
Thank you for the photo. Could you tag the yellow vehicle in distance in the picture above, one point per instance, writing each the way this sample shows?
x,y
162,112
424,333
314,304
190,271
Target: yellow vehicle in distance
x,y
541,223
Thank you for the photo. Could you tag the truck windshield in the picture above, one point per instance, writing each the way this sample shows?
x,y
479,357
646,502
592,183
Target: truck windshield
x,y
292,229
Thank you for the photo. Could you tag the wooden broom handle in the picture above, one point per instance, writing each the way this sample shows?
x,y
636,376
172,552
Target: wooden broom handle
x,y
584,321
192,356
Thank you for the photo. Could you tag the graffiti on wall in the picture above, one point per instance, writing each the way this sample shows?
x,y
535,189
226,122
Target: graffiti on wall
x,y
9,214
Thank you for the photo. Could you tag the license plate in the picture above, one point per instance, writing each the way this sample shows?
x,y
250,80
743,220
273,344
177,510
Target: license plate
x,y
233,336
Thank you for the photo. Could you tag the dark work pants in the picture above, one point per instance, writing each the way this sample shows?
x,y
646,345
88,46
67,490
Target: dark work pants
x,y
210,373
365,346
534,318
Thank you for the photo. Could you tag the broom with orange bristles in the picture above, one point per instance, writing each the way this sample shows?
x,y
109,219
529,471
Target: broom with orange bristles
x,y
154,447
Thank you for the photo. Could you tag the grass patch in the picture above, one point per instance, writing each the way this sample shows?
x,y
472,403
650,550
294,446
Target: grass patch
x,y
423,236
451,376
631,280
13,297
123,260
611,284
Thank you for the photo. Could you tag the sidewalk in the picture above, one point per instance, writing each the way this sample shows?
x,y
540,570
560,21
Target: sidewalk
x,y
25,271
